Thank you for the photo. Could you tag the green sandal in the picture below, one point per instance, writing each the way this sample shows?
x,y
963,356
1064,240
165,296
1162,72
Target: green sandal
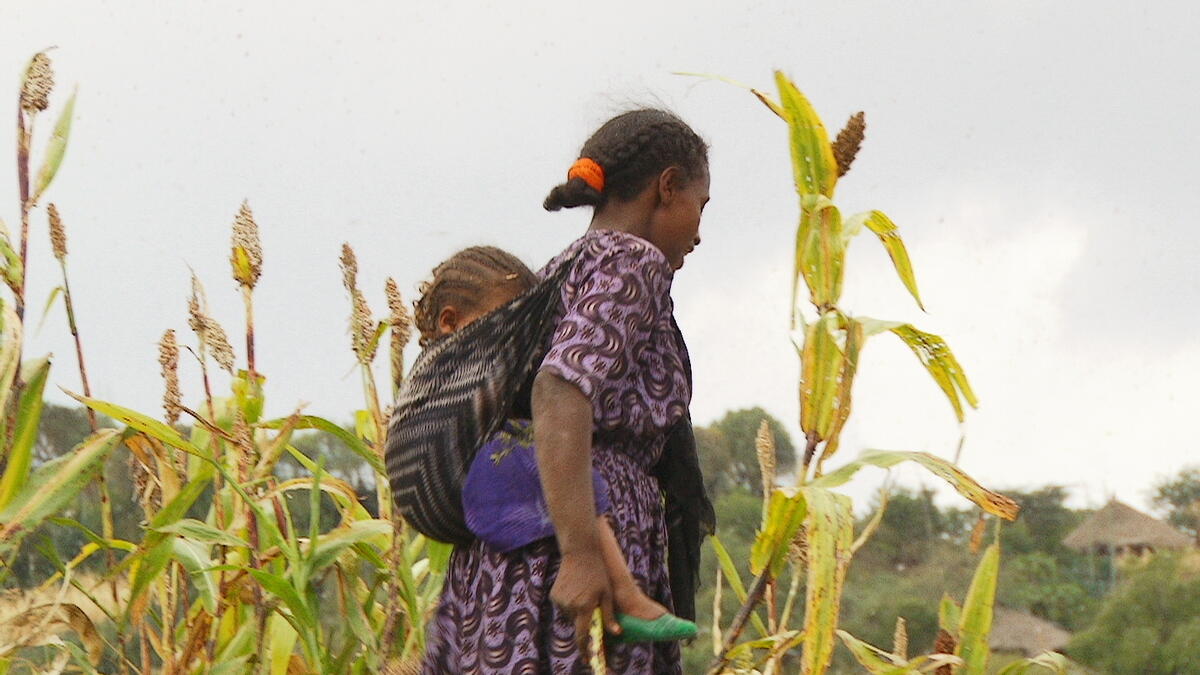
x,y
665,628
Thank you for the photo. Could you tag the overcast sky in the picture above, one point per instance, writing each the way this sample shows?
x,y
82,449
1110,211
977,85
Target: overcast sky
x,y
1038,156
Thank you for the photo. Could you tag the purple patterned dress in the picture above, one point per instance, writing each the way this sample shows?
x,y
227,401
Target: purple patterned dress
x,y
617,341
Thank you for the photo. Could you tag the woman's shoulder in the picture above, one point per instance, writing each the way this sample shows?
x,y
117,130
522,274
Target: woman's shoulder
x,y
613,252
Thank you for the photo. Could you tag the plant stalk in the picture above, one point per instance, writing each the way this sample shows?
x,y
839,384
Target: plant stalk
x,y
753,598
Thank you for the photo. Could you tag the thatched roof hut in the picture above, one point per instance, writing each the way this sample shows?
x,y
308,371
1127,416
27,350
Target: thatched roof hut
x,y
1017,631
1118,528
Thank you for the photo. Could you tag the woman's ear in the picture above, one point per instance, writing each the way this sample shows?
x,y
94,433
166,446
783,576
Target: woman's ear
x,y
447,321
670,182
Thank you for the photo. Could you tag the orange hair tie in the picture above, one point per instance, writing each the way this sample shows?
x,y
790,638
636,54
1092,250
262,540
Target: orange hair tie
x,y
591,173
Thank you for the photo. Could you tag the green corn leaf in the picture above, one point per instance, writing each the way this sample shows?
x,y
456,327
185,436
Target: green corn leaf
x,y
949,615
785,515
52,486
54,293
238,665
975,623
143,423
156,553
55,149
10,354
364,425
321,424
194,557
820,252
830,531
248,395
889,236
201,532
821,367
282,640
992,502
439,556
29,415
731,572
812,156
842,403
281,588
877,661
935,355
14,269
735,580
760,95
331,544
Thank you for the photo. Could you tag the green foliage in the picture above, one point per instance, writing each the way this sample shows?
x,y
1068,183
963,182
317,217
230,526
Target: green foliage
x,y
1179,498
1044,522
727,452
1149,624
807,527
908,532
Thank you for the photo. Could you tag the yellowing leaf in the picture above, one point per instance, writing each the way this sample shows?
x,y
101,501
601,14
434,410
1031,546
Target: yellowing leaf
x,y
820,371
992,502
830,528
935,355
877,661
56,147
854,341
813,164
784,516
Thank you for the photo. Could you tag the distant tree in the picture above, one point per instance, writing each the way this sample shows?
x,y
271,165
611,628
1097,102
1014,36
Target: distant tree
x,y
1179,499
727,451
1044,521
911,524
1150,624
61,428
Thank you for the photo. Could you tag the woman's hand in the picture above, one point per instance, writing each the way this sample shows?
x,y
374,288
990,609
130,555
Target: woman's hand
x,y
582,586
562,434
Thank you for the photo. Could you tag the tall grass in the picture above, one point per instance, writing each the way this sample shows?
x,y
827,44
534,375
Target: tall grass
x,y
807,539
235,570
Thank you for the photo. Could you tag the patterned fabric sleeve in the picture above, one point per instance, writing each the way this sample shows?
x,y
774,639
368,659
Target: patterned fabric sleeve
x,y
613,302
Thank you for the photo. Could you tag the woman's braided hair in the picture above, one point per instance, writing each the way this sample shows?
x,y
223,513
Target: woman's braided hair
x,y
633,148
463,279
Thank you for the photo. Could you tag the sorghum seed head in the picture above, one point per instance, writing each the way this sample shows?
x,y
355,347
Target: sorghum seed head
x,y
39,80
216,340
764,446
58,235
849,140
361,328
168,359
401,320
247,255
900,639
196,309
349,269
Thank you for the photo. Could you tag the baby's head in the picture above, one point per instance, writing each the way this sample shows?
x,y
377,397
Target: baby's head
x,y
466,286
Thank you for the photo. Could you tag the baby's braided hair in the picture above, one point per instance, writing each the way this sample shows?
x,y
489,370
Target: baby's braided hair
x,y
633,148
462,281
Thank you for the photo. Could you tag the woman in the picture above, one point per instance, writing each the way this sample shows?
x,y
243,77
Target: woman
x,y
615,380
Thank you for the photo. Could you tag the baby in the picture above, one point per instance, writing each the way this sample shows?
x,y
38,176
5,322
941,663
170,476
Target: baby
x,y
502,495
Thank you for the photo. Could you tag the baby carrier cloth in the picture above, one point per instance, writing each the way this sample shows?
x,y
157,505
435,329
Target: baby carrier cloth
x,y
462,388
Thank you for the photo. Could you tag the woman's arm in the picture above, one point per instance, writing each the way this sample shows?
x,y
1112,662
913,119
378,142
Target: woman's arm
x,y
562,430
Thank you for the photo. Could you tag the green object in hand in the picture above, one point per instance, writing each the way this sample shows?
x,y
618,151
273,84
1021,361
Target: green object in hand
x,y
663,629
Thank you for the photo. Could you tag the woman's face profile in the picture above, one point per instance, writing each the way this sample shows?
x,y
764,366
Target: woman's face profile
x,y
675,227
